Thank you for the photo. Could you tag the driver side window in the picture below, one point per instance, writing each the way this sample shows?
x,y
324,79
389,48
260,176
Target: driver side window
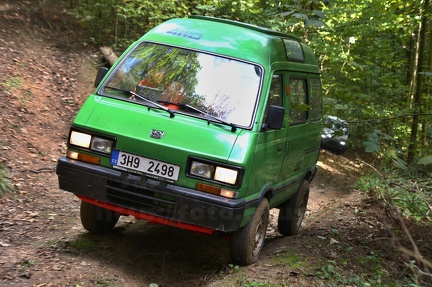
x,y
275,94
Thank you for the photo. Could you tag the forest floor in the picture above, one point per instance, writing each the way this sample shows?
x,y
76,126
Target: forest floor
x,y
46,71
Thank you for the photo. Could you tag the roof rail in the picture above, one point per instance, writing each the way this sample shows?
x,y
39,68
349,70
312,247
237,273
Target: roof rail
x,y
248,26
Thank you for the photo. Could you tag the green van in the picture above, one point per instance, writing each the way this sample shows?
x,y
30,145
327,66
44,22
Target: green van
x,y
203,124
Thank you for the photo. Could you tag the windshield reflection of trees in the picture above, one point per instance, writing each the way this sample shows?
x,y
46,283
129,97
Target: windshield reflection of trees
x,y
164,73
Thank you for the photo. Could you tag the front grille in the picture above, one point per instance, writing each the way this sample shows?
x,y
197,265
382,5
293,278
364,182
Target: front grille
x,y
137,197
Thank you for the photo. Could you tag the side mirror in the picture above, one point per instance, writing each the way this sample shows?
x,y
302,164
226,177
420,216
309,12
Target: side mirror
x,y
275,116
100,75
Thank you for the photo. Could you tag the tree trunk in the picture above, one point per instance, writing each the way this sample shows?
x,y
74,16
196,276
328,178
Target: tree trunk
x,y
418,90
428,91
109,55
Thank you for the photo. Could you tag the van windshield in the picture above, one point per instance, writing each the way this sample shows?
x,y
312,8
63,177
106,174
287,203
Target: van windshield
x,y
221,87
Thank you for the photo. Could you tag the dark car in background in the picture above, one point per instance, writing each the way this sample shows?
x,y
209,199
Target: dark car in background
x,y
335,135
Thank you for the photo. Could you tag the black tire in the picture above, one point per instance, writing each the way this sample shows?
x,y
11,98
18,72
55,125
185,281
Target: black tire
x,y
96,219
291,213
246,243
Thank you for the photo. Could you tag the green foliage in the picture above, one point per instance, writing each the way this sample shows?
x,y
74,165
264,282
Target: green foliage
x,y
400,186
104,281
366,52
338,276
232,268
257,284
84,243
375,273
384,147
26,264
120,22
249,11
407,187
427,160
288,258
409,192
11,83
297,17
329,271
5,182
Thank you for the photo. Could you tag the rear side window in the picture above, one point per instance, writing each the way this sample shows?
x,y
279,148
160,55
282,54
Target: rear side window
x,y
298,100
316,99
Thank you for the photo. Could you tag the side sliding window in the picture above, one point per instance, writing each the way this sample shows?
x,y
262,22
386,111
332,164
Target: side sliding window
x,y
316,99
299,108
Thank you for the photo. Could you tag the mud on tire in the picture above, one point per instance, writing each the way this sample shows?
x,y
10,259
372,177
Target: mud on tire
x,y
291,213
246,243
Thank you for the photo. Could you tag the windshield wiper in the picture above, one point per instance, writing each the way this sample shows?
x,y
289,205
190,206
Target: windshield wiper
x,y
144,99
233,126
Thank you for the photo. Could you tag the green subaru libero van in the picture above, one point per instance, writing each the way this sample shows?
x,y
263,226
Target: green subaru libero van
x,y
203,124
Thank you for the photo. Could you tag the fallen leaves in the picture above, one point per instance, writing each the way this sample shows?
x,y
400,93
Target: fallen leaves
x,y
2,244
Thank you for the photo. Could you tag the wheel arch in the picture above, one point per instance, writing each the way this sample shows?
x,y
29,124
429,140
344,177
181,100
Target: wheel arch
x,y
266,192
310,173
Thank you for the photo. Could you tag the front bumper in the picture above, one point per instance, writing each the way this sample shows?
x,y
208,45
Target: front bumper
x,y
141,194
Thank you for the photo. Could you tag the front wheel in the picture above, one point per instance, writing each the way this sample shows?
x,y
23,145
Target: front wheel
x,y
291,213
96,219
246,243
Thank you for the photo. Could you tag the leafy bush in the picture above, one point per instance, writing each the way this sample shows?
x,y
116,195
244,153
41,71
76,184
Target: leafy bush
x,y
412,196
408,187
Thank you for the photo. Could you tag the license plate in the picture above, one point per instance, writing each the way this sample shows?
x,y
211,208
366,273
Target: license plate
x,y
145,165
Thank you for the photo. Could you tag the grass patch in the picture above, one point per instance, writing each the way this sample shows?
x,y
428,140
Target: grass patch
x,y
104,281
84,244
6,184
336,275
372,272
26,264
247,283
12,83
288,257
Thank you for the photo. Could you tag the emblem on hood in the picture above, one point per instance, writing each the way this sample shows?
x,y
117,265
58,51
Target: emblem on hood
x,y
156,134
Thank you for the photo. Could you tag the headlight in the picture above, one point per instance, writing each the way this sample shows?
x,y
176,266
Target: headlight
x,y
213,171
80,139
92,142
226,175
101,145
202,169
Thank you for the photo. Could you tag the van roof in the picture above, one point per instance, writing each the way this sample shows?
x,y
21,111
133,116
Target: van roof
x,y
248,26
235,39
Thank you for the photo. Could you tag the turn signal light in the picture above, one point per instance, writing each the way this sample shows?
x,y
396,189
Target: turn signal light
x,y
83,157
215,190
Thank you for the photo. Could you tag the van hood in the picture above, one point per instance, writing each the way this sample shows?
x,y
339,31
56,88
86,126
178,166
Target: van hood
x,y
152,132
